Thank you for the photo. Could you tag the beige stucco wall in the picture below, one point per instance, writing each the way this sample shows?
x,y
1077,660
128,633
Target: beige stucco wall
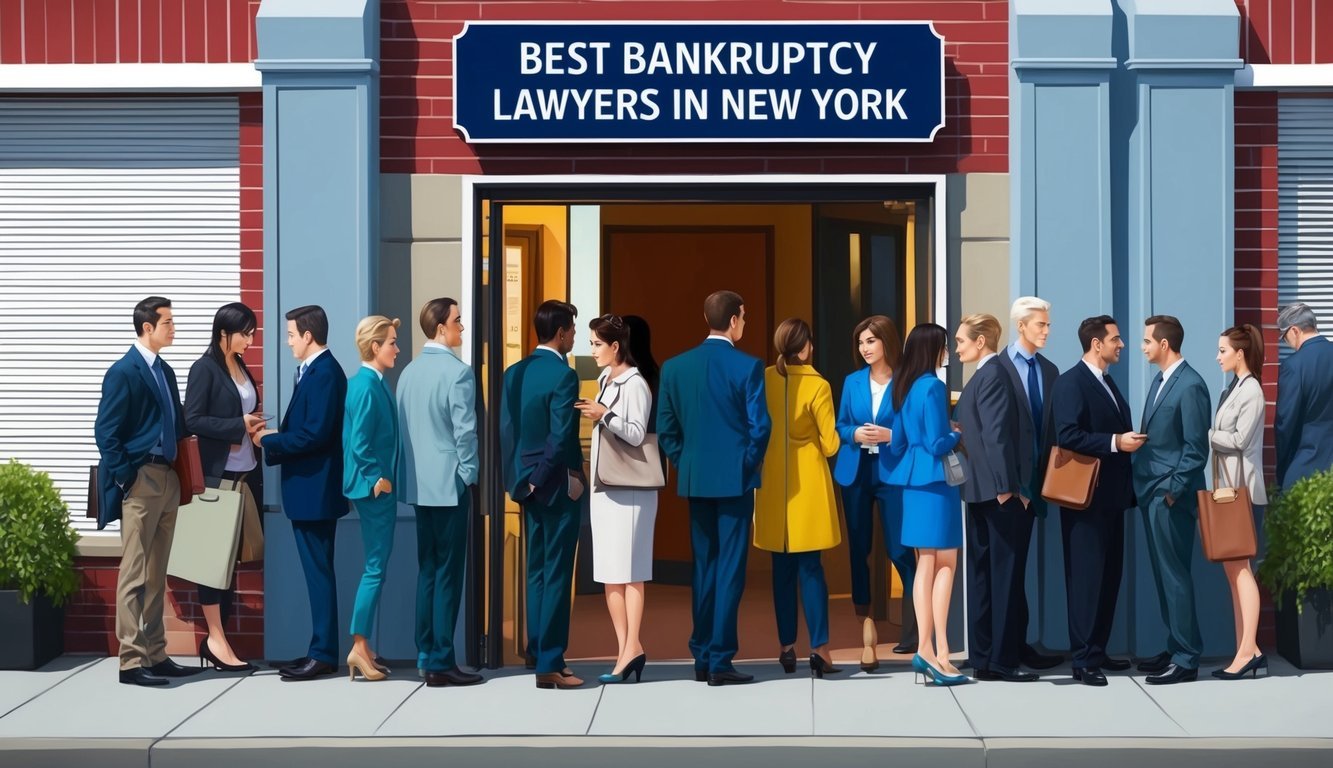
x,y
978,247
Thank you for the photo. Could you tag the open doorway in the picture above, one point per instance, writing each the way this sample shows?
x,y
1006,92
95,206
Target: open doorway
x,y
830,256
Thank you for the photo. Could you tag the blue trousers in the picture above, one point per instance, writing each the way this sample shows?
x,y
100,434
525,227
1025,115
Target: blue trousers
x,y
720,540
1171,539
441,554
552,537
378,515
803,571
859,500
314,545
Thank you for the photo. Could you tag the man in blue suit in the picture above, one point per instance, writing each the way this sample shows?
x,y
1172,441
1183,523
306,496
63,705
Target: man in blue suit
x,y
713,424
308,448
139,422
1091,417
1168,471
542,464
1304,424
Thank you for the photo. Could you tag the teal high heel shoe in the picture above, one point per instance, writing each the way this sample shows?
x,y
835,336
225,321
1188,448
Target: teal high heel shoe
x,y
931,674
634,667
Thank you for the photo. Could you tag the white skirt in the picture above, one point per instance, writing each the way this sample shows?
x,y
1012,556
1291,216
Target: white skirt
x,y
622,535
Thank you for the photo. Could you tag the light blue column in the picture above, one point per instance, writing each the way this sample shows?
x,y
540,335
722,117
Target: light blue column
x,y
1060,154
320,61
1181,56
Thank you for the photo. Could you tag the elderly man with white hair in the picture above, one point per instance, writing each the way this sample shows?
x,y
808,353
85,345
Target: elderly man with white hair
x,y
1304,423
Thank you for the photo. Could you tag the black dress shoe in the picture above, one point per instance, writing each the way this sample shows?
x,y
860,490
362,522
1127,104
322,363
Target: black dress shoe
x,y
730,677
907,648
700,675
1157,663
141,676
453,676
169,668
1090,676
1006,675
311,669
1033,659
1115,665
1174,673
285,664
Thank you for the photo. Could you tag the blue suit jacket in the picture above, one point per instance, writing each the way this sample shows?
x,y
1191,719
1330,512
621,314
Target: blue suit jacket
x,y
308,445
922,434
437,416
712,420
370,435
128,427
1085,420
1176,454
539,428
853,412
1304,422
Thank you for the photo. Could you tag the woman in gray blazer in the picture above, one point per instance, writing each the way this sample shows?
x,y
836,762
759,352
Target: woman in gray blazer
x,y
1237,439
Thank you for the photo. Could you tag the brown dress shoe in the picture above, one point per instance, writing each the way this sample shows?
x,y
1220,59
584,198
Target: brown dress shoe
x,y
557,680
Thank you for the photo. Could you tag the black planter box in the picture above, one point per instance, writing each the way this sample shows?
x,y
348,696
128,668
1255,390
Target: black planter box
x,y
1306,638
34,632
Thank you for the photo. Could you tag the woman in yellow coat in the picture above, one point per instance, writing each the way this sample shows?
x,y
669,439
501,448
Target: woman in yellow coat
x,y
795,510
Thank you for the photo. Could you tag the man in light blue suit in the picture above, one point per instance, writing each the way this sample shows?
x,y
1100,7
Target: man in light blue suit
x,y
713,424
1168,471
437,414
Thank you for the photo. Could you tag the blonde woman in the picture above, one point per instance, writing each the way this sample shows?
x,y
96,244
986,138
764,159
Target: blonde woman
x,y
795,511
370,462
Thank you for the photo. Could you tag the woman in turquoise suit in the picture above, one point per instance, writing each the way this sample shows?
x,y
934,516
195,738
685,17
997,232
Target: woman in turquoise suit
x,y
932,509
370,460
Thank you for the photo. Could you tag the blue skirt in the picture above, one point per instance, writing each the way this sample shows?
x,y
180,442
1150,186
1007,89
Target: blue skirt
x,y
932,517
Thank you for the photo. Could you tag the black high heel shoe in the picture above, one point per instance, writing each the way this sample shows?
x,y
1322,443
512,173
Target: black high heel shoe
x,y
206,654
788,660
1253,666
635,667
819,667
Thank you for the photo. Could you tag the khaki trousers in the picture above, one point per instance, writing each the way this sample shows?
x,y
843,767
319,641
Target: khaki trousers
x,y
148,522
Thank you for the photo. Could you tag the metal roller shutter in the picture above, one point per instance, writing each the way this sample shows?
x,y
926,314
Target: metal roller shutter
x,y
1305,206
104,201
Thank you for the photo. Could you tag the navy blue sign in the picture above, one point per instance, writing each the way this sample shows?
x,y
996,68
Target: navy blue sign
x,y
673,82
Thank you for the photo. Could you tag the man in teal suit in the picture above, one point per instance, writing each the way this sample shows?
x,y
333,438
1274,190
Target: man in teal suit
x,y
437,414
543,471
713,424
1168,470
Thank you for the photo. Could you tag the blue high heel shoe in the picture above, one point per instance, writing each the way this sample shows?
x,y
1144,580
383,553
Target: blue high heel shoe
x,y
930,673
634,667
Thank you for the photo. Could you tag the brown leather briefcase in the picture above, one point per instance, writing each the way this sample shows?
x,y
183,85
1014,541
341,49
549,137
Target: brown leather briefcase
x,y
1226,518
1071,478
189,469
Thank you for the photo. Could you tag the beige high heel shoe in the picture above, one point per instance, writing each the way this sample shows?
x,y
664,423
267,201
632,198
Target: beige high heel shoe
x,y
357,663
870,639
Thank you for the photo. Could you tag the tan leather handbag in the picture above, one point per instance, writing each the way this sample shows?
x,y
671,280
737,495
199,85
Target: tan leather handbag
x,y
1226,518
1071,478
621,465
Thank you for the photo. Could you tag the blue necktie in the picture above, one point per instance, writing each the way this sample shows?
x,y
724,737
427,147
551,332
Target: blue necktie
x,y
1034,402
168,412
1152,399
296,377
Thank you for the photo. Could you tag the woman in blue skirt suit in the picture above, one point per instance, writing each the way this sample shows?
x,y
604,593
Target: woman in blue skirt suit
x,y
932,510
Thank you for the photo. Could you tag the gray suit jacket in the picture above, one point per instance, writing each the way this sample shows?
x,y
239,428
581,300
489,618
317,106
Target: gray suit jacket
x,y
437,415
1173,459
1237,438
988,411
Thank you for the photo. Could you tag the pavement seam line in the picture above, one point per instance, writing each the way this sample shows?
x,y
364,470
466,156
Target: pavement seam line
x,y
963,711
376,732
189,717
600,693
1158,704
44,691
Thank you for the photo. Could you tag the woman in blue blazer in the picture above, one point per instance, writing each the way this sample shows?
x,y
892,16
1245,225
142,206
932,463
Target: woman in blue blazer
x,y
370,461
865,416
932,509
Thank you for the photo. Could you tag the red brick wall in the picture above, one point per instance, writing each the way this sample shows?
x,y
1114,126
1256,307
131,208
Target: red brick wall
x,y
1284,31
111,31
416,81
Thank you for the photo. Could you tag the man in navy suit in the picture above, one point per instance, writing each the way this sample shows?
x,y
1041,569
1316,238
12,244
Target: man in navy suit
x,y
1304,424
713,424
308,448
139,422
1091,417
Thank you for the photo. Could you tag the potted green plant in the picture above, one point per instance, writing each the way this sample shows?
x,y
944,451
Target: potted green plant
x,y
1298,570
36,567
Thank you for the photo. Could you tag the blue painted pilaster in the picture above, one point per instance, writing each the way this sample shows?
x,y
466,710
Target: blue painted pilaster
x,y
1060,154
1177,244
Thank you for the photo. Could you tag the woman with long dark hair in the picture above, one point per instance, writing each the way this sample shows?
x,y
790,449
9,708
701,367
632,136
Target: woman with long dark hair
x,y
932,520
221,400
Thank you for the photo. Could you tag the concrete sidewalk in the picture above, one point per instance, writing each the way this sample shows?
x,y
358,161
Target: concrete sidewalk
x,y
74,710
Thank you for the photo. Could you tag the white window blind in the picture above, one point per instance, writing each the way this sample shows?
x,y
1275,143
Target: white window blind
x,y
104,201
1305,207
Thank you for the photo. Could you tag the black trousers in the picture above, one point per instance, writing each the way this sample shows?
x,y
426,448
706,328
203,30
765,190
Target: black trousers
x,y
1094,549
997,546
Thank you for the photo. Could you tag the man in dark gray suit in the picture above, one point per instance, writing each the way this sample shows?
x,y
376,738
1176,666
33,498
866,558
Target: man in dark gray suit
x,y
1168,472
999,521
1304,423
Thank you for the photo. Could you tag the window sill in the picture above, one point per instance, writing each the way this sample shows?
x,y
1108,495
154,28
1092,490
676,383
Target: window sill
x,y
99,545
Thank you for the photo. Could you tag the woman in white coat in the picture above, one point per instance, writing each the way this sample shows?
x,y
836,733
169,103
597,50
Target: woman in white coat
x,y
622,518
1237,439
